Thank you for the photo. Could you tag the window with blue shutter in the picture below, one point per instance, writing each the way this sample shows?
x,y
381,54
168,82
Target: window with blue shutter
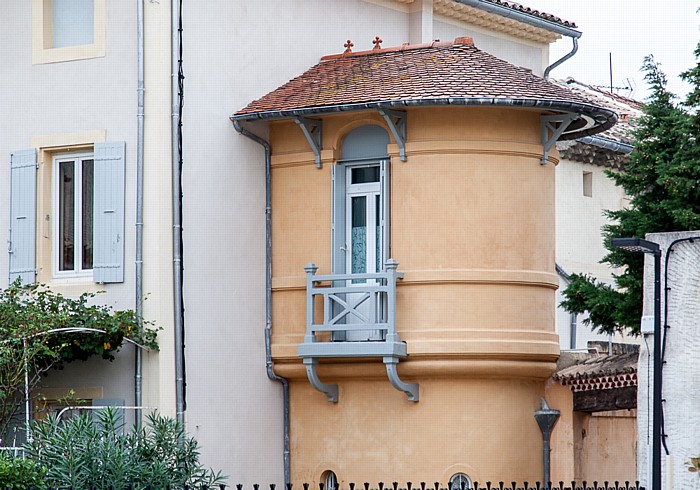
x,y
108,212
22,244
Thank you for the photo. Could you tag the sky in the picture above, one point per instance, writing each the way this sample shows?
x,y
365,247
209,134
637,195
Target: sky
x,y
630,30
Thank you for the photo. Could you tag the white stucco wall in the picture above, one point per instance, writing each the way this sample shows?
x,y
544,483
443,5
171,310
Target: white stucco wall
x,y
579,221
69,97
681,377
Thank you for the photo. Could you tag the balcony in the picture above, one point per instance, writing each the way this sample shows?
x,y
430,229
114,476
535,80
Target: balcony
x,y
359,320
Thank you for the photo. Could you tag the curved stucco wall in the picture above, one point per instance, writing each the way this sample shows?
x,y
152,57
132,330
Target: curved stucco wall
x,y
472,227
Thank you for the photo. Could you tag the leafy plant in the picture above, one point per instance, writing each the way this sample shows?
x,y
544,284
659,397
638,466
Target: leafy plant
x,y
20,473
662,178
41,329
94,452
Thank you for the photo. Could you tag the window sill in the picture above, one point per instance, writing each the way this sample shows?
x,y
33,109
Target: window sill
x,y
74,286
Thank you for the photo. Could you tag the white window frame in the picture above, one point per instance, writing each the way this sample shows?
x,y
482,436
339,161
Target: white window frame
x,y
369,191
78,271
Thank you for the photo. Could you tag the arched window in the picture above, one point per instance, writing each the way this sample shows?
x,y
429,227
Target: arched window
x,y
460,481
330,480
360,225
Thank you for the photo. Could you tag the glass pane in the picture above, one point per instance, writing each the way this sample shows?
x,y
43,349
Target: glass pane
x,y
364,175
359,235
378,235
66,216
72,22
88,186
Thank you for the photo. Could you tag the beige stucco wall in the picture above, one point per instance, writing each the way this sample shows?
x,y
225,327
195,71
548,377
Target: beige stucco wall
x,y
606,446
472,227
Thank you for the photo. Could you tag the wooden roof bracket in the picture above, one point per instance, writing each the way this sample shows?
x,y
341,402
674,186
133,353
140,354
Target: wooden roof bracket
x,y
555,124
312,130
396,120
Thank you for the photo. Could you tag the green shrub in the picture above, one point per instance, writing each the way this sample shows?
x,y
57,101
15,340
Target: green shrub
x,y
19,473
95,452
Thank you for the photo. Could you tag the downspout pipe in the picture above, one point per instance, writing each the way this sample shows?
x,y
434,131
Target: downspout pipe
x,y
268,293
176,148
574,317
561,60
532,20
525,18
138,362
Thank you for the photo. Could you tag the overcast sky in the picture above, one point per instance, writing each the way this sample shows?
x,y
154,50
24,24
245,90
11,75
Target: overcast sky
x,y
630,30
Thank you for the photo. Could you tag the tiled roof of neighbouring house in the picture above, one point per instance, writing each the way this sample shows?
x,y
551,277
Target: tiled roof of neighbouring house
x,y
533,12
600,372
439,73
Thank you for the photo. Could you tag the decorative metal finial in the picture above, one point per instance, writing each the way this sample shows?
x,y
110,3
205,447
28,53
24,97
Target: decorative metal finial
x,y
348,46
377,43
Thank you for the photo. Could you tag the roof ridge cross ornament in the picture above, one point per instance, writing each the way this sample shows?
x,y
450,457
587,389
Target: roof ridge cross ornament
x,y
377,43
348,46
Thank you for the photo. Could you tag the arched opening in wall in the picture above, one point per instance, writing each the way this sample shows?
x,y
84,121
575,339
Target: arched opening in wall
x,y
329,480
460,481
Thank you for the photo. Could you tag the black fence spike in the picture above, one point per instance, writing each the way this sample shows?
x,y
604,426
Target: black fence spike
x,y
289,486
306,486
352,486
395,484
222,486
272,486
366,485
256,486
437,485
239,486
320,485
381,485
408,485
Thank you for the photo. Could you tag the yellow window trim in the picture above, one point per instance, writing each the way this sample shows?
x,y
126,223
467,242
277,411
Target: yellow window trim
x,y
48,146
42,36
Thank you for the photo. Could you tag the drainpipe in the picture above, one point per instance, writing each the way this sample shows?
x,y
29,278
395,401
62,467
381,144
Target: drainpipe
x,y
494,8
138,376
561,60
546,419
268,293
574,317
176,48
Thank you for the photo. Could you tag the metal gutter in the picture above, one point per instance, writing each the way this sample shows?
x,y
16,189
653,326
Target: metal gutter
x,y
268,293
604,118
138,363
176,153
523,17
607,144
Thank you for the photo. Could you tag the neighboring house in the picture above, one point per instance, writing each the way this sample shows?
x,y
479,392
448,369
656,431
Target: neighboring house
x,y
474,240
680,341
584,194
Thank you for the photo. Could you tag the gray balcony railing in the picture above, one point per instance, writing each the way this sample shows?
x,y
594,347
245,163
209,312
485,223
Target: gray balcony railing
x,y
359,313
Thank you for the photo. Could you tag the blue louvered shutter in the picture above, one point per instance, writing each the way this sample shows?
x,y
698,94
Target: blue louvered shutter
x,y
22,245
108,217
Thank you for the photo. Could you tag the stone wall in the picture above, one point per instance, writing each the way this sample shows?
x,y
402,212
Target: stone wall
x,y
681,376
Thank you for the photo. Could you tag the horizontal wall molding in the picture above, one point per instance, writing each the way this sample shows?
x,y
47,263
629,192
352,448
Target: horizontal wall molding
x,y
448,276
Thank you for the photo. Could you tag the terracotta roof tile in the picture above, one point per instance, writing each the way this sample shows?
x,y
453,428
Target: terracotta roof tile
x,y
444,72
533,12
600,372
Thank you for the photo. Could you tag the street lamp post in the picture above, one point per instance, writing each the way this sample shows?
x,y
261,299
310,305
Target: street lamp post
x,y
640,245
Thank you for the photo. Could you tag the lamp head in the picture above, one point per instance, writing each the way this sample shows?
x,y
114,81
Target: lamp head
x,y
636,245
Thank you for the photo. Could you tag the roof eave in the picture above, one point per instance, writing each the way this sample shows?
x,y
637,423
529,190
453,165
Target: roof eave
x,y
604,118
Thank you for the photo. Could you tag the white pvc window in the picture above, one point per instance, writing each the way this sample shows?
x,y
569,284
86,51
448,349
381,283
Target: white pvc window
x,y
364,219
73,190
73,22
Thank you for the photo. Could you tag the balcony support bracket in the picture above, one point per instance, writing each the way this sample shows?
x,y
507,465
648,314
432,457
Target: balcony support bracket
x,y
552,127
312,130
411,389
330,390
396,120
